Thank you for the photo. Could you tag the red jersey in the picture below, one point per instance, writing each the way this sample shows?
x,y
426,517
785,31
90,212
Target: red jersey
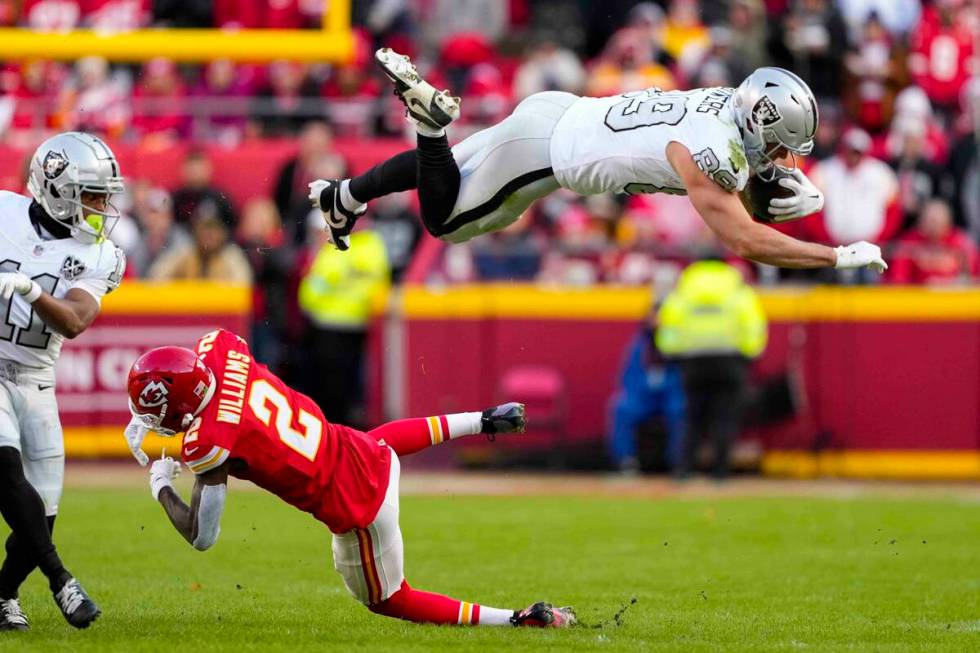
x,y
919,259
941,57
278,439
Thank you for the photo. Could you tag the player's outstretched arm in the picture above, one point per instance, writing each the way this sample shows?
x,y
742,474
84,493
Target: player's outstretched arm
x,y
724,213
200,522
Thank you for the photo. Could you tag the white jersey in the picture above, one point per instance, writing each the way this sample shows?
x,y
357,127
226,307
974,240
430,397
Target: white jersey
x,y
57,266
619,144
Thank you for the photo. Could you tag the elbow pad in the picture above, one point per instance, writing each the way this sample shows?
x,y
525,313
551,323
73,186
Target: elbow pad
x,y
209,515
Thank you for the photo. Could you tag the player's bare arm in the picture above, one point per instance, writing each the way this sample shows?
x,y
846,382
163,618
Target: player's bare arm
x,y
198,523
724,213
71,314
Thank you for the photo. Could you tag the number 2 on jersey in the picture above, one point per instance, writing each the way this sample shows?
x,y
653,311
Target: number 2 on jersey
x,y
304,441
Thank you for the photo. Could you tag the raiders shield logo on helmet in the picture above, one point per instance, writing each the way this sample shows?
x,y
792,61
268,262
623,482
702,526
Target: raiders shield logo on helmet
x,y
153,395
765,113
54,164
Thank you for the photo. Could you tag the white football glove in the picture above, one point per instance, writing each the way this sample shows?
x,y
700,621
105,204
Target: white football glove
x,y
15,282
860,255
162,474
135,433
806,199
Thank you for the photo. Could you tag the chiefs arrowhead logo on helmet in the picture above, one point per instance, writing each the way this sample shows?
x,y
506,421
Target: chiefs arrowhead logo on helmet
x,y
153,395
167,386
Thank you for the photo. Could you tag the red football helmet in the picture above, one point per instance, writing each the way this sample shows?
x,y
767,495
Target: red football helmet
x,y
169,386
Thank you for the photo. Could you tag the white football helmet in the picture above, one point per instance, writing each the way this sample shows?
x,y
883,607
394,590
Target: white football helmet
x,y
65,166
774,109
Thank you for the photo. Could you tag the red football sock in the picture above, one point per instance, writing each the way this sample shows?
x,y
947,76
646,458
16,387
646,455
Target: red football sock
x,y
406,436
427,607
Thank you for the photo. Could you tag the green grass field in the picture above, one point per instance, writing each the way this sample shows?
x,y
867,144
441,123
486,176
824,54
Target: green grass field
x,y
711,573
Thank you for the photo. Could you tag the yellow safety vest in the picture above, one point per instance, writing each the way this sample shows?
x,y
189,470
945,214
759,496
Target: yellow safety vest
x,y
711,311
342,287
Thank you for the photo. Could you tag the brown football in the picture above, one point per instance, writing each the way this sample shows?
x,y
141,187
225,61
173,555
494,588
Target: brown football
x,y
759,194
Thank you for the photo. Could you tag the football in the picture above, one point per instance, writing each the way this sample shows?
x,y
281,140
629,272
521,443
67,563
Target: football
x,y
760,192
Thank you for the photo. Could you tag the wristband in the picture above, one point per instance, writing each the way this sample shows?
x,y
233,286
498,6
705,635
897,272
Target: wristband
x,y
34,293
157,484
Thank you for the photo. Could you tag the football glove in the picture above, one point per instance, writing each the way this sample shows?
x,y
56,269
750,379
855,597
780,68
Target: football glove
x,y
15,282
806,198
135,433
860,255
162,474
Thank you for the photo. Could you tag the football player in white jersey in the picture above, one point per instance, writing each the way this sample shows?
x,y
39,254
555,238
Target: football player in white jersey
x,y
703,143
56,263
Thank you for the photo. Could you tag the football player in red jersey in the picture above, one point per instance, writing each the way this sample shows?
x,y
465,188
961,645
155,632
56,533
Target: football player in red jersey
x,y
240,420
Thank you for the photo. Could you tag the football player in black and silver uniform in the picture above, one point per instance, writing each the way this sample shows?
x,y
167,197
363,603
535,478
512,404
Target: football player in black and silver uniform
x,y
56,264
705,143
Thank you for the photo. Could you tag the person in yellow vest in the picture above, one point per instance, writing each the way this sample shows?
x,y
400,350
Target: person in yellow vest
x,y
713,324
338,295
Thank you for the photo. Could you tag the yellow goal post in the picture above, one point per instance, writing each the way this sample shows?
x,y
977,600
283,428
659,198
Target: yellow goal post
x,y
333,43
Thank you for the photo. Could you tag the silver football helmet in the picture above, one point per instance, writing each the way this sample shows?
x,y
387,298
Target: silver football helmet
x,y
774,109
64,167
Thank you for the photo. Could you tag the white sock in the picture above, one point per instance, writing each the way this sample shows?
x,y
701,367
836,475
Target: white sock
x,y
494,616
425,130
347,199
461,424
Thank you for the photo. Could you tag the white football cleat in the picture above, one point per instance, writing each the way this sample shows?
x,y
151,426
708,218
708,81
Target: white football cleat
x,y
433,110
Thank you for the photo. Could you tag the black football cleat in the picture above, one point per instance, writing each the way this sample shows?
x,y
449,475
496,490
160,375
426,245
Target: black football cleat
x,y
544,615
11,616
78,608
325,195
505,418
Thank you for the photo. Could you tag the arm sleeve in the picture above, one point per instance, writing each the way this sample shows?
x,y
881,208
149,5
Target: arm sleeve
x,y
209,515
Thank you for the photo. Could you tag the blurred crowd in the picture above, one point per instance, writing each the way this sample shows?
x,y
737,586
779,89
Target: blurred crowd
x,y
896,153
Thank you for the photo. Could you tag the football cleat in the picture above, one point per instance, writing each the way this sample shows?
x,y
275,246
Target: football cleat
x,y
544,615
325,195
78,608
424,105
505,418
11,616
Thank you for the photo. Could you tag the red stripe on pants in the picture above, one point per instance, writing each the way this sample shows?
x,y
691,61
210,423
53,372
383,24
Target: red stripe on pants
x,y
371,578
